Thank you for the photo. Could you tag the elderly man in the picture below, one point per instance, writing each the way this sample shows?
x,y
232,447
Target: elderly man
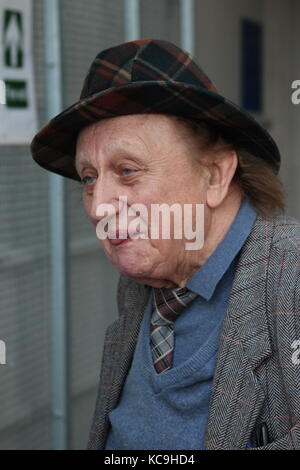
x,y
205,352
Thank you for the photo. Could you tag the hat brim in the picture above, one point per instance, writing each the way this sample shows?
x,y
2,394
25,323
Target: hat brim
x,y
54,146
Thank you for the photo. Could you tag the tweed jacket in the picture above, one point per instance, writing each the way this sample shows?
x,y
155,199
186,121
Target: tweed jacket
x,y
257,375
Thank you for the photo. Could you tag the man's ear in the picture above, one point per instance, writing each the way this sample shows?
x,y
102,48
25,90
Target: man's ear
x,y
221,173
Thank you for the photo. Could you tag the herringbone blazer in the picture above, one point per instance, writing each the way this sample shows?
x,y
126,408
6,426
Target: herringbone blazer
x,y
257,376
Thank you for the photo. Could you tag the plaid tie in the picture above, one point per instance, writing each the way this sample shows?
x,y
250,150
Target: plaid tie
x,y
169,303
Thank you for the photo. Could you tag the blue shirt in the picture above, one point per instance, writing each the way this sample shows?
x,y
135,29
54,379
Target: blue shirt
x,y
169,410
212,282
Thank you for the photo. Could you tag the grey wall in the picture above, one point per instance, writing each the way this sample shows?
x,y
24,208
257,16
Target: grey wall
x,y
87,28
218,52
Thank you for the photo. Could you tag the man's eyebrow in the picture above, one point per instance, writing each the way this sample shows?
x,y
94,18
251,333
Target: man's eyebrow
x,y
126,148
130,153
117,151
82,162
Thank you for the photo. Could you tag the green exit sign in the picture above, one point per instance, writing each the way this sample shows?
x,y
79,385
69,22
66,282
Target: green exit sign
x,y
18,113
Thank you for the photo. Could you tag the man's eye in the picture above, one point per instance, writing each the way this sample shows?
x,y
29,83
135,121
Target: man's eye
x,y
86,180
127,171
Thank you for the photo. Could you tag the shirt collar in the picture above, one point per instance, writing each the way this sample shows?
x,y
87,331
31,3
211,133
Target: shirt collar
x,y
206,278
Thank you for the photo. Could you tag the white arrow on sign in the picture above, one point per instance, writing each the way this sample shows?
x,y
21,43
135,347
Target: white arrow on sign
x,y
13,40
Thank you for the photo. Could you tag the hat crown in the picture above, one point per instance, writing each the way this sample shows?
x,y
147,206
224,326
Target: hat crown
x,y
147,76
143,60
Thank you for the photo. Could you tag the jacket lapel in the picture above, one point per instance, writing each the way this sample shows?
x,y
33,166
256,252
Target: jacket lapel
x,y
237,395
134,301
119,345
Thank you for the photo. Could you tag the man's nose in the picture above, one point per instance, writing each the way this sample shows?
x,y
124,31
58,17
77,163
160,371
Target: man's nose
x,y
105,201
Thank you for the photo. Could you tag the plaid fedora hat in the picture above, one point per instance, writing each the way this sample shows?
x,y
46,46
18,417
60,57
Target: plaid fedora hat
x,y
147,76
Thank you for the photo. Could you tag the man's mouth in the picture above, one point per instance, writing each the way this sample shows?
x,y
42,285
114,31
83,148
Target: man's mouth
x,y
117,240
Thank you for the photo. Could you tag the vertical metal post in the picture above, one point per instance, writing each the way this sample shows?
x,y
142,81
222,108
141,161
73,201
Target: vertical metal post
x,y
57,238
132,20
187,14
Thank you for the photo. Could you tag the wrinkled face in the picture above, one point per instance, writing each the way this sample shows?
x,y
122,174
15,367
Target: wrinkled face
x,y
149,160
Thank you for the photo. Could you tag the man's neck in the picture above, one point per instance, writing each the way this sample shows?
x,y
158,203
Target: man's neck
x,y
221,219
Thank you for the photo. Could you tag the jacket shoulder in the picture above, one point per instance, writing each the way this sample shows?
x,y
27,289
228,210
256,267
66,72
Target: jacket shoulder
x,y
286,233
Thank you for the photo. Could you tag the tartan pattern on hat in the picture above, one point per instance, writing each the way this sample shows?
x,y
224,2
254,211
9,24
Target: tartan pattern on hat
x,y
169,303
147,76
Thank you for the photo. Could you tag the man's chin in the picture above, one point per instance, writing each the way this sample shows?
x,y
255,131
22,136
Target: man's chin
x,y
133,266
134,272
143,276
